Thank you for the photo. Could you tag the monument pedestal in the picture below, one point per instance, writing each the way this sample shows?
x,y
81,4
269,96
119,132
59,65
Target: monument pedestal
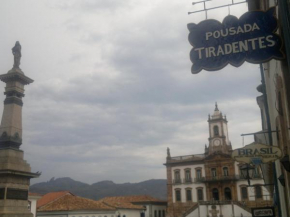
x,y
15,172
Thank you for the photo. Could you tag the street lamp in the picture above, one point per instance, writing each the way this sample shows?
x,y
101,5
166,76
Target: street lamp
x,y
285,162
282,180
247,171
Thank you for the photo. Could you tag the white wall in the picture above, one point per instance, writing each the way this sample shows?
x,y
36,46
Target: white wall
x,y
158,208
194,191
192,170
227,210
192,185
128,213
33,206
251,190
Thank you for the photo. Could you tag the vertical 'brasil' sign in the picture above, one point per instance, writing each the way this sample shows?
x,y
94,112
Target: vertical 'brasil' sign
x,y
251,38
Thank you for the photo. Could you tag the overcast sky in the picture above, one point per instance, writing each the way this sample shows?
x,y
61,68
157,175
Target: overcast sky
x,y
113,87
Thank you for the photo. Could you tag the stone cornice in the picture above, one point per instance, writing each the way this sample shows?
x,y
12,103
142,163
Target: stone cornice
x,y
20,173
15,76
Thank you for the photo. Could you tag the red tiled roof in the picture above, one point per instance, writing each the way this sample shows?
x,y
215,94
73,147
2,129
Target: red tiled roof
x,y
122,205
50,197
72,203
133,198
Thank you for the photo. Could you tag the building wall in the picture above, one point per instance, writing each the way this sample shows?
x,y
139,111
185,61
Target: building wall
x,y
160,211
192,168
128,213
277,79
79,214
33,206
225,210
183,186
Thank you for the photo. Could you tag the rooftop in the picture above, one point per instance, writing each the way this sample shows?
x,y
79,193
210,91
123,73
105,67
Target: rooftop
x,y
132,198
71,202
50,197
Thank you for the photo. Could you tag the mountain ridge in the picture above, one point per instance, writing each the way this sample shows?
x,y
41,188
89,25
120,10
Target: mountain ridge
x,y
106,188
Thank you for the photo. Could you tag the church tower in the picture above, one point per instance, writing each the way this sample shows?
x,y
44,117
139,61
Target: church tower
x,y
218,133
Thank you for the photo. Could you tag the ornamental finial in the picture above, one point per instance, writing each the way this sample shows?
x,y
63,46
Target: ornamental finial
x,y
168,152
216,107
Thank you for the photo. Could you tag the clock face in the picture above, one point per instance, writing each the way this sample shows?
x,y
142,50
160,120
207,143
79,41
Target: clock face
x,y
216,142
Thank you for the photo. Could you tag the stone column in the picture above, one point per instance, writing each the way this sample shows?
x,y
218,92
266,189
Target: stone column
x,y
170,205
15,172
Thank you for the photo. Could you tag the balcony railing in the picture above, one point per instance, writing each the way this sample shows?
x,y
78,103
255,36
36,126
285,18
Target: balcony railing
x,y
187,180
177,181
182,181
217,178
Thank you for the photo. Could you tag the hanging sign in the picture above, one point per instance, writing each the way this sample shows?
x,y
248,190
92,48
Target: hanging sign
x,y
263,212
250,38
256,153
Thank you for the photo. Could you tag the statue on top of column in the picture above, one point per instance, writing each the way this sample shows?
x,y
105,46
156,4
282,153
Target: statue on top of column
x,y
16,51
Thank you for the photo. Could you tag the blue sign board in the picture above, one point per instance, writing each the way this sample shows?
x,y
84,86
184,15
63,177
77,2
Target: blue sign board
x,y
250,38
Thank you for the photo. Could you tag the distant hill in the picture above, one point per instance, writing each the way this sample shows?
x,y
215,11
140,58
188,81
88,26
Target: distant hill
x,y
154,187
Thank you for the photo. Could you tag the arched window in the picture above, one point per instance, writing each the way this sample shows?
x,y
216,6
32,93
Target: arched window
x,y
228,194
198,173
216,130
187,175
159,213
163,213
177,176
155,213
215,194
226,171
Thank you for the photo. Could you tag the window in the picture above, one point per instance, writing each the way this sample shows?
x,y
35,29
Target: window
x,y
188,195
228,194
163,213
155,213
177,176
213,172
199,194
187,175
280,107
258,192
159,213
216,130
256,173
226,171
244,193
177,195
198,174
215,194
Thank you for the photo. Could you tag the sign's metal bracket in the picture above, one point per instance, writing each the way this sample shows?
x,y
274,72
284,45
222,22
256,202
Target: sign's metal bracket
x,y
213,8
261,132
